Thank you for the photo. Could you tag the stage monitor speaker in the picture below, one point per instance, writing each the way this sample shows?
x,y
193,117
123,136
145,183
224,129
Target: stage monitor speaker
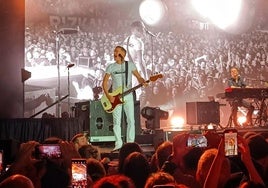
x,y
202,113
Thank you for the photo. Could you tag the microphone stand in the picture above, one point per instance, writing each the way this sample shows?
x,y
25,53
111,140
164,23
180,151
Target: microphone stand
x,y
68,67
68,85
58,68
48,107
152,47
61,31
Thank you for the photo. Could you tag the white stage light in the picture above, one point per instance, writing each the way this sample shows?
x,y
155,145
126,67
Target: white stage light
x,y
152,11
222,13
242,119
210,126
177,122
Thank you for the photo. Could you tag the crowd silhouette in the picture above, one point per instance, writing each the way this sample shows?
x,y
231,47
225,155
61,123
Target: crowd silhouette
x,y
173,164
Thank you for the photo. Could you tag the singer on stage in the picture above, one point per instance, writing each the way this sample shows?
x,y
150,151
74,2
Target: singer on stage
x,y
121,72
236,81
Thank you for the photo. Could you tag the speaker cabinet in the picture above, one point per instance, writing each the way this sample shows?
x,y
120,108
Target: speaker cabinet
x,y
202,113
101,123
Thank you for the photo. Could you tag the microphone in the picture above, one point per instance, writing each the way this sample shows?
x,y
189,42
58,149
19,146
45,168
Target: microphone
x,y
68,31
70,65
121,56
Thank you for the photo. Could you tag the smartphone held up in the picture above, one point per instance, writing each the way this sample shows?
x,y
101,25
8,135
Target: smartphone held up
x,y
47,151
79,173
197,140
230,142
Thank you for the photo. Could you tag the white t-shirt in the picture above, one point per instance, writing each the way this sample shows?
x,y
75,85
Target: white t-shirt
x,y
117,72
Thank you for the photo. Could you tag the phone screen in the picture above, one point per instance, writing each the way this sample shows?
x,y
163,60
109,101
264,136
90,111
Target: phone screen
x,y
230,143
197,140
79,173
47,151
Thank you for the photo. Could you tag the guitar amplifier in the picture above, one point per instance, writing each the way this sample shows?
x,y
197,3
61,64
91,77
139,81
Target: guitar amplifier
x,y
101,123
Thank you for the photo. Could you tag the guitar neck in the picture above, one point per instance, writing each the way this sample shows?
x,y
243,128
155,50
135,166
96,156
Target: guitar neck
x,y
133,89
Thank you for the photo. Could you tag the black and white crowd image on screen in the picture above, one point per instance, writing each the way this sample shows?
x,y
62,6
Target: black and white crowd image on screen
x,y
193,54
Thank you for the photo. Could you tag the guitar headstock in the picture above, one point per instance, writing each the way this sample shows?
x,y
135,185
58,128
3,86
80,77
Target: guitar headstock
x,y
155,76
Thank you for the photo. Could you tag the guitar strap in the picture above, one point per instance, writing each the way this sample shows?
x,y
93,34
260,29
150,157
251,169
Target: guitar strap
x,y
126,73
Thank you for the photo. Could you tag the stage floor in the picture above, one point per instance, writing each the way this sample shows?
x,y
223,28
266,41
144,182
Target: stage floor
x,y
149,142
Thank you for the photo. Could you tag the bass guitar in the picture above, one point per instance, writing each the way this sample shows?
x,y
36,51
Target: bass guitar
x,y
118,94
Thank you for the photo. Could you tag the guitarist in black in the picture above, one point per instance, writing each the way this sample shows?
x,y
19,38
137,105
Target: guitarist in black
x,y
121,73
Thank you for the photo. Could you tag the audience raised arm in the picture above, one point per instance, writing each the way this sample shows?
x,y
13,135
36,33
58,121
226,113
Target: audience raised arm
x,y
215,171
246,158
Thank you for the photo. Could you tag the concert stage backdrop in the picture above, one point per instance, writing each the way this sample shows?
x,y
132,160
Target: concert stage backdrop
x,y
69,43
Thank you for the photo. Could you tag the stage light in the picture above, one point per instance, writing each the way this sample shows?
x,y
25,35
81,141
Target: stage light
x,y
177,122
147,112
241,115
256,112
242,119
210,126
152,11
153,116
153,112
221,13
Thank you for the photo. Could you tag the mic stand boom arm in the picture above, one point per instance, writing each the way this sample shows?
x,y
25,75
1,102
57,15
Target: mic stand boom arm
x,y
49,106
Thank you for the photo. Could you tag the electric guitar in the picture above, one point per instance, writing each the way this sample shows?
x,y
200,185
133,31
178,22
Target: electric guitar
x,y
118,94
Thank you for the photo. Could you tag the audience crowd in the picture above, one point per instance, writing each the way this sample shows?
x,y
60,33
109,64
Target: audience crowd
x,y
173,164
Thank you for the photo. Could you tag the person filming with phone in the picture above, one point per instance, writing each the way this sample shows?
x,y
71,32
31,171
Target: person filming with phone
x,y
249,174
